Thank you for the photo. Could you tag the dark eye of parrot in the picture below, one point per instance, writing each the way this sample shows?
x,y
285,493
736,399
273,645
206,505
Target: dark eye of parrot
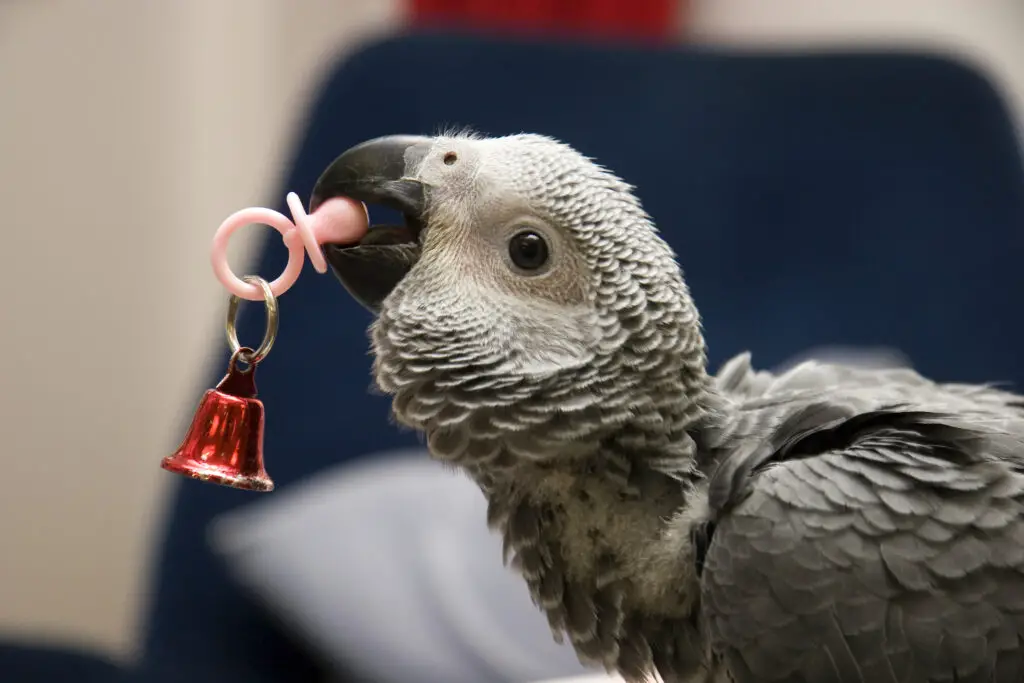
x,y
450,158
528,250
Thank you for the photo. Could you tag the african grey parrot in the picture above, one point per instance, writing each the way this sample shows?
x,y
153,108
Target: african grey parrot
x,y
824,524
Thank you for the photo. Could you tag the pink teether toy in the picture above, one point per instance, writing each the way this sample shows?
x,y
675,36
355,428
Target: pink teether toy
x,y
337,221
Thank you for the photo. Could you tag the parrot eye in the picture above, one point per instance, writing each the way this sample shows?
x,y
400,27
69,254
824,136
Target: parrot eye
x,y
528,250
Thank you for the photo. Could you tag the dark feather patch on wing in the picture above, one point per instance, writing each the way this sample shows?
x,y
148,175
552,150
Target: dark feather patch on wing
x,y
827,426
700,538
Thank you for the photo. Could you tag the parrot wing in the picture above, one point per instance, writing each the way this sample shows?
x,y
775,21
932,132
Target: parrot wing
x,y
870,546
815,369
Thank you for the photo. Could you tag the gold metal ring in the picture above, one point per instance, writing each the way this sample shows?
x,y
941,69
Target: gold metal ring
x,y
270,303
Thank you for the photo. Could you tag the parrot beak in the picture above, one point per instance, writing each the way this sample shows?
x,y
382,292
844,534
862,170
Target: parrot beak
x,y
377,171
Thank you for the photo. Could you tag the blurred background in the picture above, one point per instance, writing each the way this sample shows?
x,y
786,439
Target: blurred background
x,y
130,128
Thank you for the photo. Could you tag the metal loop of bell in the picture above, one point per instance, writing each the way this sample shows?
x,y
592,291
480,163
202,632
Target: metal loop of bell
x,y
269,335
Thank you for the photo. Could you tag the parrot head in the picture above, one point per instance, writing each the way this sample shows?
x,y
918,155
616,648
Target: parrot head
x,y
526,302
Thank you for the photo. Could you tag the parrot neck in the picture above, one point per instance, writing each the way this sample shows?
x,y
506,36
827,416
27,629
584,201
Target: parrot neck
x,y
605,551
603,541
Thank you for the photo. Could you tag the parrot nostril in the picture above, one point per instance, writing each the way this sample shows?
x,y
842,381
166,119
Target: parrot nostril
x,y
450,158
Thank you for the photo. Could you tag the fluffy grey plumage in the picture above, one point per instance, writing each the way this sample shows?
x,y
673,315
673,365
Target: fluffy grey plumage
x,y
824,524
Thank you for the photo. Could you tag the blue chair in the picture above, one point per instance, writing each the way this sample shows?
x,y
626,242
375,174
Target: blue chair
x,y
49,663
858,199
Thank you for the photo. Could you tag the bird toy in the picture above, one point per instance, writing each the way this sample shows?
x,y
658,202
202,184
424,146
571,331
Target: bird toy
x,y
224,444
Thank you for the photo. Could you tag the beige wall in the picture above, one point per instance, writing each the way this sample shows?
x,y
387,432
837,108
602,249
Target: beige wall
x,y
128,130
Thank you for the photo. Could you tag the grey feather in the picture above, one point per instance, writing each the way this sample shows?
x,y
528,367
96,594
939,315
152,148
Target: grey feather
x,y
914,550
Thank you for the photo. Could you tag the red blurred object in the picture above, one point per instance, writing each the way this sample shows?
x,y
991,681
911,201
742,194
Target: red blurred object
x,y
224,445
651,19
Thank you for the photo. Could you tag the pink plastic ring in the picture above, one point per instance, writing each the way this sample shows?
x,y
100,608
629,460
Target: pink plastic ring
x,y
278,221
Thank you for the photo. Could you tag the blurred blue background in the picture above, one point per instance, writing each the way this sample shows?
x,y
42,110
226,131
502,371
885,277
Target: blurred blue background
x,y
829,173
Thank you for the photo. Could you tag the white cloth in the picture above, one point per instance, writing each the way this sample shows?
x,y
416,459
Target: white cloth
x,y
387,568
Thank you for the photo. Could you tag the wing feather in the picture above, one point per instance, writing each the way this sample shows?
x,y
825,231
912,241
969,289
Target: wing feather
x,y
863,546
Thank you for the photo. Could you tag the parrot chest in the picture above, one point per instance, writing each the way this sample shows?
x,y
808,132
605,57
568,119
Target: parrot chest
x,y
588,548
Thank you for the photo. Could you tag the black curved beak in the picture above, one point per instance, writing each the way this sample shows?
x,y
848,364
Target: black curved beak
x,y
379,171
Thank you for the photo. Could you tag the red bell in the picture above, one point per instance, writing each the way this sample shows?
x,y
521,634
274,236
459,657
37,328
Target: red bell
x,y
224,445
